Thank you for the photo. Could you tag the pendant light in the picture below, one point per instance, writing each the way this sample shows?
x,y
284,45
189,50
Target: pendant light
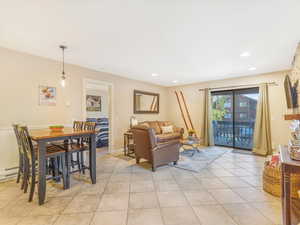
x,y
63,75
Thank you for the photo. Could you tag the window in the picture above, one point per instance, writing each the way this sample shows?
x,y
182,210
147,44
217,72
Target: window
x,y
243,116
227,116
243,104
227,104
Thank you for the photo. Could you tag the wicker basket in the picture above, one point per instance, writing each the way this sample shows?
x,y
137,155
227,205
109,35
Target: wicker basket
x,y
272,182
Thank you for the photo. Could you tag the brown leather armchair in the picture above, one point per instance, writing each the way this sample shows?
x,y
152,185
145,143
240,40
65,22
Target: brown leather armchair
x,y
146,146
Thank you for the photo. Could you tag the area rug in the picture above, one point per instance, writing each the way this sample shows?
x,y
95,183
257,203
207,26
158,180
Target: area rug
x,y
200,160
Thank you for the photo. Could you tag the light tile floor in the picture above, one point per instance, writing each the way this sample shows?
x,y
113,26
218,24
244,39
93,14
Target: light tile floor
x,y
228,192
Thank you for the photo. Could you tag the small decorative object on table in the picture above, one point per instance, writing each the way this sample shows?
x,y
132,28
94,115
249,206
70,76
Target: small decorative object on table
x,y
294,144
295,152
191,133
56,128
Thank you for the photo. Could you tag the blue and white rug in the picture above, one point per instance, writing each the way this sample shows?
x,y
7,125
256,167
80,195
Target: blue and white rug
x,y
197,161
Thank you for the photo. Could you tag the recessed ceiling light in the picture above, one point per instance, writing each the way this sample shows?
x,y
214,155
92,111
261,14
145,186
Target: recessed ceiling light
x,y
245,54
175,81
252,68
154,74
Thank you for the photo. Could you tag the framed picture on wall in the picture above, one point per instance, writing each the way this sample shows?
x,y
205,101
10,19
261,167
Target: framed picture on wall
x,y
47,95
93,103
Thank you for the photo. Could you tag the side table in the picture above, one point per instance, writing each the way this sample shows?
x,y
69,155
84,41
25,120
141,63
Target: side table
x,y
128,144
191,144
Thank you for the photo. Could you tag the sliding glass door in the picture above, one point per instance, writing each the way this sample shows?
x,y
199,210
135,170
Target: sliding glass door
x,y
233,117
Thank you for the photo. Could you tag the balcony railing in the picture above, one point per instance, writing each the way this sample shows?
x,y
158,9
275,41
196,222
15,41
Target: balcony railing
x,y
242,137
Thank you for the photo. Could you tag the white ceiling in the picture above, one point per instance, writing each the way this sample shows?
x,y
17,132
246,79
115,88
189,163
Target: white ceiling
x,y
184,40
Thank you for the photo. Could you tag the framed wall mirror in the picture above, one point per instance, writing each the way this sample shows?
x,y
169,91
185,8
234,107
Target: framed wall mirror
x,y
145,102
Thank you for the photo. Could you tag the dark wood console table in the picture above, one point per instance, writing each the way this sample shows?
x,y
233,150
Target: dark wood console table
x,y
290,208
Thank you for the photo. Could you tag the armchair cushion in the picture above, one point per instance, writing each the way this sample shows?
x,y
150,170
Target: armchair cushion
x,y
164,145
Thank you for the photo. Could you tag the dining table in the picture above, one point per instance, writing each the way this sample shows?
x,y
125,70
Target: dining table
x,y
44,136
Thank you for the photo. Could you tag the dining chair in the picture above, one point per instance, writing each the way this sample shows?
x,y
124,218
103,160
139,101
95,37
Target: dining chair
x,y
88,126
77,125
76,147
20,175
30,154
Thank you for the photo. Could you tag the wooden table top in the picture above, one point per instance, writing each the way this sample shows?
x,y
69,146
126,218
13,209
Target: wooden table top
x,y
285,157
41,134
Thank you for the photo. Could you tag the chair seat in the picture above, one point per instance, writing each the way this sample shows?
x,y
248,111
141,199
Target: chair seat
x,y
72,147
51,150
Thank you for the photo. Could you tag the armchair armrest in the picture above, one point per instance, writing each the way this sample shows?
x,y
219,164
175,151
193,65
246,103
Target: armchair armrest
x,y
166,144
152,136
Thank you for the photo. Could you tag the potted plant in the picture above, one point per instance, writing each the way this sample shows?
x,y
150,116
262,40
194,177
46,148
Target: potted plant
x,y
191,133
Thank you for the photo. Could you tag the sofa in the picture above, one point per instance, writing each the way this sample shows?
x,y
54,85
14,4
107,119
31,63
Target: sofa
x,y
163,137
152,144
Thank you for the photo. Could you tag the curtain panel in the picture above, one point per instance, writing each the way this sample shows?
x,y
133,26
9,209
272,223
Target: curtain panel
x,y
206,125
262,144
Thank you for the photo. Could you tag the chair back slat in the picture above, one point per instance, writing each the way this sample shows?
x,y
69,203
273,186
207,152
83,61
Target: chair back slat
x,y
90,126
27,143
16,131
77,125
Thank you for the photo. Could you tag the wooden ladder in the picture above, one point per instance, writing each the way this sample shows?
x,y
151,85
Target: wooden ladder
x,y
184,111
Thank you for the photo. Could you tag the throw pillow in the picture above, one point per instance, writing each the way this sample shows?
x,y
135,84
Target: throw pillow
x,y
167,129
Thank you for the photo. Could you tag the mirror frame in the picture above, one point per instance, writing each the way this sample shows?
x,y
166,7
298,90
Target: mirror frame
x,y
145,111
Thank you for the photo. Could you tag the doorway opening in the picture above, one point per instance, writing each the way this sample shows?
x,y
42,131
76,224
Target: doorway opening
x,y
233,117
97,107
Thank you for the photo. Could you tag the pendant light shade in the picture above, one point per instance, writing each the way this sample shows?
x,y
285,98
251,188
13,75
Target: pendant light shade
x,y
63,75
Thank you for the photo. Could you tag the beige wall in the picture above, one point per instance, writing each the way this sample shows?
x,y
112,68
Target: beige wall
x,y
20,76
194,99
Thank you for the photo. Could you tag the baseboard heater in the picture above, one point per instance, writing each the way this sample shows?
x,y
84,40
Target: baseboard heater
x,y
8,173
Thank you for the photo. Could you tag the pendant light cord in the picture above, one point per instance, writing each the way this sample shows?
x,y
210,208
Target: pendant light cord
x,y
63,47
63,52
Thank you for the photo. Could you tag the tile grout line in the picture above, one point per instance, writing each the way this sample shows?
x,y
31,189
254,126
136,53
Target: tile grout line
x,y
93,216
221,205
181,191
246,202
159,206
129,194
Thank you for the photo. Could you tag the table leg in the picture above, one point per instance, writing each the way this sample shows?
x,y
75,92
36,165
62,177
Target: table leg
x,y
286,199
282,192
92,155
42,172
67,162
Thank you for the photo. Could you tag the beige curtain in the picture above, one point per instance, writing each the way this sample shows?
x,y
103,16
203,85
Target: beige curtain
x,y
262,144
206,131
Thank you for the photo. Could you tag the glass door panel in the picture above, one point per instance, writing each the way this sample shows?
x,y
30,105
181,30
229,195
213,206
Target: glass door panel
x,y
222,118
245,102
